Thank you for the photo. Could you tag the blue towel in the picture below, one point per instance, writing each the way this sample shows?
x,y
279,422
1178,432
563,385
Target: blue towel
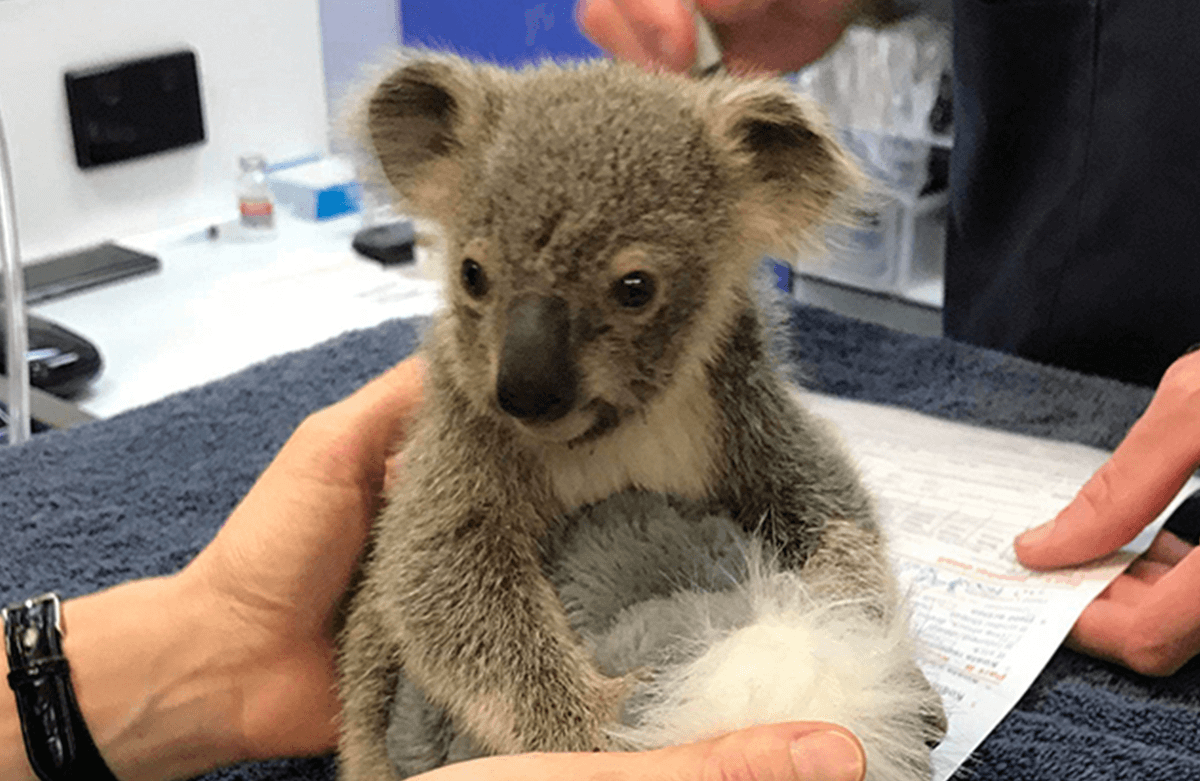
x,y
141,493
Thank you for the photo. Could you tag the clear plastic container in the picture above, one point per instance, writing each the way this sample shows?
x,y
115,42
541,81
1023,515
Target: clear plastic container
x,y
880,87
883,80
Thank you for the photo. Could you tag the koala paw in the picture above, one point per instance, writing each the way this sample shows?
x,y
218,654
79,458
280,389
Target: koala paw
x,y
579,723
555,715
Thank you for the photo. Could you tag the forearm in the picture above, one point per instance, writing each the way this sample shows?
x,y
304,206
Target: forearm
x,y
160,697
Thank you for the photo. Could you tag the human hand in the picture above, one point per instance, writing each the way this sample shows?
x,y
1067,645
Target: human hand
x,y
755,35
1148,619
798,751
280,565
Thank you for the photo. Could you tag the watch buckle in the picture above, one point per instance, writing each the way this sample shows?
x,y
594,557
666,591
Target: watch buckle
x,y
49,596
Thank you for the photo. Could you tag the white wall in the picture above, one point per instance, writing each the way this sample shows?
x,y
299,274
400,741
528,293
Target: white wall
x,y
262,84
356,34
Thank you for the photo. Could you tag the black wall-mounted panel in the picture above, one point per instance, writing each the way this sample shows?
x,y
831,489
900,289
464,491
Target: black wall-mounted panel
x,y
135,108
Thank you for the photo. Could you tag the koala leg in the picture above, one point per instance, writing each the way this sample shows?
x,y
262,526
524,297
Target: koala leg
x,y
850,562
369,672
484,634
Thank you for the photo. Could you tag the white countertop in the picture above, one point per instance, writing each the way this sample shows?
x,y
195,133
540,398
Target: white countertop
x,y
220,305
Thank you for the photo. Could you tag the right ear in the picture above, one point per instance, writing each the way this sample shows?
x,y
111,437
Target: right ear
x,y
794,175
424,121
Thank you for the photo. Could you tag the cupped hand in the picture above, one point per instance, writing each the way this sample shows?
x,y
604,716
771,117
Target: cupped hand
x,y
1148,619
797,751
756,35
277,571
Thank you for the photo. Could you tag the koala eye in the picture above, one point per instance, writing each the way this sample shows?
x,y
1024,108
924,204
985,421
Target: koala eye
x,y
474,280
634,290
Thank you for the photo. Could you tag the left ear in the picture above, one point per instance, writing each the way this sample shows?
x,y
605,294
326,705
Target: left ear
x,y
793,175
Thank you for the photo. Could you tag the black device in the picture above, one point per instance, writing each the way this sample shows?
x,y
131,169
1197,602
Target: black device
x,y
61,361
389,244
130,109
85,268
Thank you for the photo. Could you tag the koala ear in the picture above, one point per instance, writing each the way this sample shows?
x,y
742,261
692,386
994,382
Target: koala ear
x,y
424,120
794,175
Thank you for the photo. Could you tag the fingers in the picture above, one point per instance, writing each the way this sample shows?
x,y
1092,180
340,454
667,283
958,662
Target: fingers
x,y
757,35
1147,620
1166,550
778,36
384,405
824,756
646,32
800,751
731,10
348,442
1144,473
335,464
294,538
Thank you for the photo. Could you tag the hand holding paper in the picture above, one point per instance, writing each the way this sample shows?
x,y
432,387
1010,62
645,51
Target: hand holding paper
x,y
1148,619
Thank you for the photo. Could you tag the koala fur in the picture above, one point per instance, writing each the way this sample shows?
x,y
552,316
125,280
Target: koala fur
x,y
600,227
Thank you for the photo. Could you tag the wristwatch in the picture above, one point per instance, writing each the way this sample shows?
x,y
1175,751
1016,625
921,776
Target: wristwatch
x,y
57,740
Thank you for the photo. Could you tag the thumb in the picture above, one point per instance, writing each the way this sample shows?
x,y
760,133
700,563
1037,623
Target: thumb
x,y
797,751
650,33
1125,495
383,406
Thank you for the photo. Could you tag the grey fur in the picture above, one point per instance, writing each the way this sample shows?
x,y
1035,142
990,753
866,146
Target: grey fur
x,y
554,184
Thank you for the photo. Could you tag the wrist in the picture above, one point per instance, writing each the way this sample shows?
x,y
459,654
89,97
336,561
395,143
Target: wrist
x,y
13,763
156,680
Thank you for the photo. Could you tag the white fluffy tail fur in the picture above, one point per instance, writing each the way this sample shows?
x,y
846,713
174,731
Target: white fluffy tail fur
x,y
799,658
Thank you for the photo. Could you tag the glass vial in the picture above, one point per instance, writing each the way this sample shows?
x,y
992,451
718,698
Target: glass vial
x,y
255,204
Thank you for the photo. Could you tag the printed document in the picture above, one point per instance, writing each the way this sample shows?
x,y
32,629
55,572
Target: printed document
x,y
951,498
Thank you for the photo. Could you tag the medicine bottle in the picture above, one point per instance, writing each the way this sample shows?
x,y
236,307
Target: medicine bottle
x,y
255,204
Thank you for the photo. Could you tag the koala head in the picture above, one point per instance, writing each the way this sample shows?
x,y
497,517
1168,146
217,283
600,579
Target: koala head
x,y
600,223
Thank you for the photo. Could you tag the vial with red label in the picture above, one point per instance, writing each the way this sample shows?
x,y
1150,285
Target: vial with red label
x,y
255,204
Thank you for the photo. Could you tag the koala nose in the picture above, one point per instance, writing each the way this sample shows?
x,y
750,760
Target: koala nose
x,y
537,381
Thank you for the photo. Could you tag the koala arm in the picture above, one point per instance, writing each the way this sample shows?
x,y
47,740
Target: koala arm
x,y
785,475
455,587
788,480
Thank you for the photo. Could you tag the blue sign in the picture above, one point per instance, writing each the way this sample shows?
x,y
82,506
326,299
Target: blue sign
x,y
500,31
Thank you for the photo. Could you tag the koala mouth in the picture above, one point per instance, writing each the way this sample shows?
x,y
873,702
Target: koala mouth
x,y
537,379
607,418
581,426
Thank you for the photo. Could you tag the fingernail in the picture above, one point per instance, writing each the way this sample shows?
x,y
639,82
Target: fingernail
x,y
828,756
1036,535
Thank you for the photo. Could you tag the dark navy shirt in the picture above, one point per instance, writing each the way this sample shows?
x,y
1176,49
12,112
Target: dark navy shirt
x,y
1074,234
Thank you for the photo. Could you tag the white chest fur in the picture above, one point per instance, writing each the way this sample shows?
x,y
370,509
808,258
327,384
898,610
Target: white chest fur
x,y
669,449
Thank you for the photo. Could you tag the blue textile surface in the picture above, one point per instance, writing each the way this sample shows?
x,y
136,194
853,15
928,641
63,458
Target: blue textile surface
x,y
139,494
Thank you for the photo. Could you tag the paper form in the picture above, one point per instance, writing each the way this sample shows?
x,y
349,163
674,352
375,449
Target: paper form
x,y
951,498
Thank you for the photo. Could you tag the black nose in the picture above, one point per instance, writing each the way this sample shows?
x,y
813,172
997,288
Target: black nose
x,y
537,380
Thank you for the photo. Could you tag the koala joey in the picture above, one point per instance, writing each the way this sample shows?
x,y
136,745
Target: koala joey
x,y
601,226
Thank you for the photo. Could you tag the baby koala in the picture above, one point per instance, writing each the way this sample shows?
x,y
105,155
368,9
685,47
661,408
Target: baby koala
x,y
601,227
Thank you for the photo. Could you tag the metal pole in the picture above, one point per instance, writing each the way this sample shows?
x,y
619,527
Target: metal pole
x,y
14,306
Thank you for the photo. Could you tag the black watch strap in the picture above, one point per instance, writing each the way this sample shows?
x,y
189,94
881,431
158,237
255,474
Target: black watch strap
x,y
57,740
